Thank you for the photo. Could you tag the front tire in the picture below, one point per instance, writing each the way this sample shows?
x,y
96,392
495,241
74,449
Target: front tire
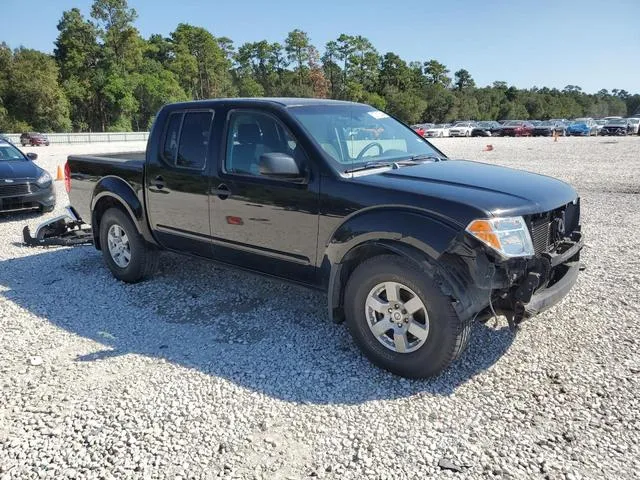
x,y
400,318
125,252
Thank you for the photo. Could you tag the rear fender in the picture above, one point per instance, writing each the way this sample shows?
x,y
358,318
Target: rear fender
x,y
114,191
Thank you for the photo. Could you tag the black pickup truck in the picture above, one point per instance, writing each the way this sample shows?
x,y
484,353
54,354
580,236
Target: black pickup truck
x,y
411,247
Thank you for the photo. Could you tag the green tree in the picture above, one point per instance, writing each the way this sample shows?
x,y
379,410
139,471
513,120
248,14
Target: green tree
x,y
200,64
297,46
436,73
463,80
33,96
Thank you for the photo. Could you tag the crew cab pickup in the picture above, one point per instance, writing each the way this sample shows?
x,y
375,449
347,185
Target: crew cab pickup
x,y
411,247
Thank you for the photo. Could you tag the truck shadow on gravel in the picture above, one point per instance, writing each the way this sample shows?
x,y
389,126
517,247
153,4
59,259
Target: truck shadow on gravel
x,y
261,334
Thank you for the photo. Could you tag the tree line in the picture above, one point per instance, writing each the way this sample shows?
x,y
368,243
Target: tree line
x,y
103,76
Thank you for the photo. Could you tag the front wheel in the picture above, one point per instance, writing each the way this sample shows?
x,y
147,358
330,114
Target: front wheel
x,y
401,319
125,252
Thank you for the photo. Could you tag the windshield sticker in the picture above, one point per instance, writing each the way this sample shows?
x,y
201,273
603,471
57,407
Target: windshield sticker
x,y
378,115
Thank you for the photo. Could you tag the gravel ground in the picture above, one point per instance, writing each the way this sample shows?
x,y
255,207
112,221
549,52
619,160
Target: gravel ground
x,y
204,372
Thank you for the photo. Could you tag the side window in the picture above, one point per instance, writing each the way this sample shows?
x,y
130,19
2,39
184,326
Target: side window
x,y
194,140
170,149
252,134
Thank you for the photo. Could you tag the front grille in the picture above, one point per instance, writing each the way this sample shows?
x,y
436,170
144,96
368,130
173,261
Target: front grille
x,y
545,229
13,190
540,234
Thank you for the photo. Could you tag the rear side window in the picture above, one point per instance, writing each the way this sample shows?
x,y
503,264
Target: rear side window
x,y
194,140
172,134
186,140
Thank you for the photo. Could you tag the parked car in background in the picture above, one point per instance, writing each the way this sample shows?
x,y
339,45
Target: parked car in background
x,y
421,128
23,184
439,130
634,125
600,123
517,128
462,129
612,118
33,139
548,128
582,127
535,123
486,129
616,127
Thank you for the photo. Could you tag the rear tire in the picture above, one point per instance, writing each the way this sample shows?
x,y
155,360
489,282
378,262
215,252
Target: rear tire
x,y
142,259
446,337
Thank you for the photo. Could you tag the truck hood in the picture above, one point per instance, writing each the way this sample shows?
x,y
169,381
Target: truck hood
x,y
16,169
494,190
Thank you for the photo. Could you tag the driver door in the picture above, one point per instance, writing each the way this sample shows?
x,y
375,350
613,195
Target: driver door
x,y
262,223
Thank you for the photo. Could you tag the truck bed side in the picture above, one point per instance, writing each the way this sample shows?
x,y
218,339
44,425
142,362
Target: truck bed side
x,y
88,170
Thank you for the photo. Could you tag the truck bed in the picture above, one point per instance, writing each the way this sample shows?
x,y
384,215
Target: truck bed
x,y
87,170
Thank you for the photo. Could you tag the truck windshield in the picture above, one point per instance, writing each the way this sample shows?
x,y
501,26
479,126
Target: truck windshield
x,y
357,135
10,153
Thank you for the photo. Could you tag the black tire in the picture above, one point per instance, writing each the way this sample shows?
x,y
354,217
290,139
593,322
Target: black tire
x,y
448,335
144,257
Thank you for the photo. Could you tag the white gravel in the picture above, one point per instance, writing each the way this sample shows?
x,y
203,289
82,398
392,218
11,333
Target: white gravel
x,y
204,372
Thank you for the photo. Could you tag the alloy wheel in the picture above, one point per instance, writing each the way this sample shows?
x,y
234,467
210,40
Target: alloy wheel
x,y
119,247
397,317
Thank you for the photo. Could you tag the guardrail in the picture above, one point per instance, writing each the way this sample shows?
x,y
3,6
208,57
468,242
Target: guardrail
x,y
87,137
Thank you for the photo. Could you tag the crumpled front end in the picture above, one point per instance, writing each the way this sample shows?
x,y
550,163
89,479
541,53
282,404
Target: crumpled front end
x,y
519,288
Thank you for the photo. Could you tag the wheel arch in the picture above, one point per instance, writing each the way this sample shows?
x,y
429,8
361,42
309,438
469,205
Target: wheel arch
x,y
113,192
415,235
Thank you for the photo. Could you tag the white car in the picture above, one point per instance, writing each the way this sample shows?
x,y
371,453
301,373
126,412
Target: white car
x,y
461,129
634,125
439,130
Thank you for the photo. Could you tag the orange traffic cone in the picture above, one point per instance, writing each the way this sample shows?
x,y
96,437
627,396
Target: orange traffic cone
x,y
488,148
59,175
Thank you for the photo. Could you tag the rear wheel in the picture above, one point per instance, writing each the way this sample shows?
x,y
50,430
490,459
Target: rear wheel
x,y
401,320
125,252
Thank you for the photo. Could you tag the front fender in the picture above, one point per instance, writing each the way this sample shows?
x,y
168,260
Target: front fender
x,y
425,231
408,232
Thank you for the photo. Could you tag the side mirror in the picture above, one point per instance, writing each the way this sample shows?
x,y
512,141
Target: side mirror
x,y
279,165
32,156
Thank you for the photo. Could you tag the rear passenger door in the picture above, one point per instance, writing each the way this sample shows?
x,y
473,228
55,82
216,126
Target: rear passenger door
x,y
177,184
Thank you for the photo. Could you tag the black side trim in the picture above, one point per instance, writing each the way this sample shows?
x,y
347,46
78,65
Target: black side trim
x,y
301,259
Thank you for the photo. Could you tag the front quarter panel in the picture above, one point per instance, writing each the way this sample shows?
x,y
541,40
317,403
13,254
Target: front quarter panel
x,y
411,227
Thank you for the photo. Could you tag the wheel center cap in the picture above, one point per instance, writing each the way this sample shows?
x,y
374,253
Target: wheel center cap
x,y
397,316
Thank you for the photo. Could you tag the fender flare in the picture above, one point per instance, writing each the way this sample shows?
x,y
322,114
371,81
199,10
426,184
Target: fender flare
x,y
117,189
415,234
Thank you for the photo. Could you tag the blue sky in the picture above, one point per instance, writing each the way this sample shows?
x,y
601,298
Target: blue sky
x,y
591,43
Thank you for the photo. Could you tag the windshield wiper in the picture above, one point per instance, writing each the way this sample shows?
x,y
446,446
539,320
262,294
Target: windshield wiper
x,y
370,165
421,158
414,160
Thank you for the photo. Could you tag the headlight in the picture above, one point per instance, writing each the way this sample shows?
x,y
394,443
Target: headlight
x,y
508,236
44,179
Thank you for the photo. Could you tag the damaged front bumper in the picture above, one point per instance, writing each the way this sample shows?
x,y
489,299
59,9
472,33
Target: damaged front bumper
x,y
485,285
64,230
545,281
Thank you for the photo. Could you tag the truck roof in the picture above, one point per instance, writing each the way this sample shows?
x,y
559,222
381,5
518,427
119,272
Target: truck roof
x,y
283,101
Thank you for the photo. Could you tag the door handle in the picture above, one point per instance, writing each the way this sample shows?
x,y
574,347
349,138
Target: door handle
x,y
222,192
159,182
